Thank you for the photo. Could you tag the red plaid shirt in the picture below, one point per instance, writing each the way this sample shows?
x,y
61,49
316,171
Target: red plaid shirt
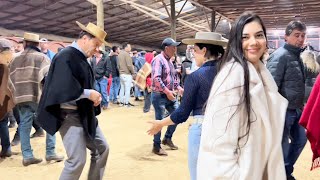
x,y
164,76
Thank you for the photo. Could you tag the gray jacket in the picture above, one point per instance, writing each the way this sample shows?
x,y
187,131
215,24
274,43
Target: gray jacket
x,y
287,70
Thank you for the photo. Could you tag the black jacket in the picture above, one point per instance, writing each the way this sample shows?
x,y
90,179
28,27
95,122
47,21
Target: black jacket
x,y
186,64
69,75
114,66
102,68
287,69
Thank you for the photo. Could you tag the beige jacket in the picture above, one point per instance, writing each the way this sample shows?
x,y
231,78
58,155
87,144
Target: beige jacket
x,y
125,63
260,154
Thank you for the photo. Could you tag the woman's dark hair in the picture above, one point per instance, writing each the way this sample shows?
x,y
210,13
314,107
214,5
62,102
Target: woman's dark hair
x,y
212,50
235,51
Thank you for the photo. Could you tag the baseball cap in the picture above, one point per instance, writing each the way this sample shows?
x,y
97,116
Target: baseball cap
x,y
5,44
169,42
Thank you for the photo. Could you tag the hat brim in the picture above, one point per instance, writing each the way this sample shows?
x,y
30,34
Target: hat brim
x,y
205,41
31,40
176,44
87,30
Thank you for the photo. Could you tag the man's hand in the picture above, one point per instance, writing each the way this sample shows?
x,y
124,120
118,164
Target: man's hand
x,y
170,96
95,97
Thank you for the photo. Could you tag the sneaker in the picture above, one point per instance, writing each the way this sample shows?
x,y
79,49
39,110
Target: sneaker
x,y
168,142
159,151
27,162
38,133
130,104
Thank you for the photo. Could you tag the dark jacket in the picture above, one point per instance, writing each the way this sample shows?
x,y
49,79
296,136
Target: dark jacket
x,y
114,65
196,92
287,69
69,75
102,68
186,64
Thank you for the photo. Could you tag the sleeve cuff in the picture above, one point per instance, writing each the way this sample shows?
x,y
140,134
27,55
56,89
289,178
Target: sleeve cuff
x,y
86,93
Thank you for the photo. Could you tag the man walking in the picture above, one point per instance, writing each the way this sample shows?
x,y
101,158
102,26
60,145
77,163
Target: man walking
x,y
69,104
164,83
27,73
287,70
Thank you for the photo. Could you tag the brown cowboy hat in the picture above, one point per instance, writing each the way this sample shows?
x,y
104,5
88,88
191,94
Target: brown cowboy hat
x,y
95,31
31,37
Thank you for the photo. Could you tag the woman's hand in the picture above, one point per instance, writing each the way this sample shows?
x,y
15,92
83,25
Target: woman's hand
x,y
155,128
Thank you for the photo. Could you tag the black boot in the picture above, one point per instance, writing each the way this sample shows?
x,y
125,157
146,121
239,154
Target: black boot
x,y
16,139
169,143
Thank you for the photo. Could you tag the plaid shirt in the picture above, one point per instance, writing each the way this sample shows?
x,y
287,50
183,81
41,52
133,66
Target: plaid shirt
x,y
164,76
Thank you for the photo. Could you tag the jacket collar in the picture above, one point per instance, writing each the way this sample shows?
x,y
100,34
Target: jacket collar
x,y
293,49
210,63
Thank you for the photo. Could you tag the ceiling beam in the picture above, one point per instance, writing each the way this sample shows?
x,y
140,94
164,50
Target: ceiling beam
x,y
188,24
94,2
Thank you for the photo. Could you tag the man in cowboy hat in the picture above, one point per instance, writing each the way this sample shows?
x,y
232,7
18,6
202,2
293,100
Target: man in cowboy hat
x,y
164,83
69,104
27,73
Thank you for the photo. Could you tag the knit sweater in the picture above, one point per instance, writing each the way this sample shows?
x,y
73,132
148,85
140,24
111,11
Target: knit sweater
x,y
26,73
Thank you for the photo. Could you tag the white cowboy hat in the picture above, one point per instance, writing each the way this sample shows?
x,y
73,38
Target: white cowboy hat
x,y
207,38
31,37
95,31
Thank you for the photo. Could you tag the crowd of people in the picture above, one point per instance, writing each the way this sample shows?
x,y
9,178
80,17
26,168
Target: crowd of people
x,y
246,104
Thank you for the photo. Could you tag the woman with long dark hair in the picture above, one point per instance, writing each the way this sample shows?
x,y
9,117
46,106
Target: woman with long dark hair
x,y
244,117
208,48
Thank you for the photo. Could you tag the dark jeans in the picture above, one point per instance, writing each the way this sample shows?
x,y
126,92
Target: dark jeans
x,y
4,134
161,103
147,101
297,136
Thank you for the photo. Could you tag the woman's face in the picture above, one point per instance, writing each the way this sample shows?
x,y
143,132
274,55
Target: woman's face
x,y
199,55
254,42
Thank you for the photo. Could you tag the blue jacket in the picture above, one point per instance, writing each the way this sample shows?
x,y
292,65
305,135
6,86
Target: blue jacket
x,y
196,92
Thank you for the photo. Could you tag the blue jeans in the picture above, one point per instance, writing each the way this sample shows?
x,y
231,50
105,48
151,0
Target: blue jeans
x,y
27,114
193,148
101,87
297,135
4,135
125,84
161,103
147,101
114,89
137,92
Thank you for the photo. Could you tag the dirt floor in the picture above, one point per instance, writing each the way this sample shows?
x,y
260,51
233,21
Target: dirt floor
x,y
130,152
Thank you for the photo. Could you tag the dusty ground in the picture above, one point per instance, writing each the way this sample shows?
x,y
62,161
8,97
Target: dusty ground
x,y
130,153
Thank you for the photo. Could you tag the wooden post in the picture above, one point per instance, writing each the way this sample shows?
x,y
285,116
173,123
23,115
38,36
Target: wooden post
x,y
213,21
100,13
173,19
